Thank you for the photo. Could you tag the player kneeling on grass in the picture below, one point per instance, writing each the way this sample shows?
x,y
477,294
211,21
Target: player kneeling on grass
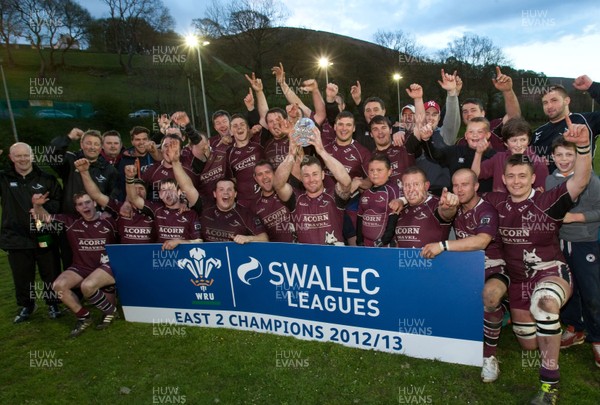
x,y
540,279
476,228
88,234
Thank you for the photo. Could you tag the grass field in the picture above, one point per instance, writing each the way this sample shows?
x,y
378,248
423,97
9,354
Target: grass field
x,y
146,364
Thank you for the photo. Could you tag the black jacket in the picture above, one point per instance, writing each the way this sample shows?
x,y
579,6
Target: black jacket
x,y
103,174
18,229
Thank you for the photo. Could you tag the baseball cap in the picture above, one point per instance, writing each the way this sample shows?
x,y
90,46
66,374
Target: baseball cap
x,y
432,104
410,107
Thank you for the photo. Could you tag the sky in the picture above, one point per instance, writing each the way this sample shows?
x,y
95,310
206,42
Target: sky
x,y
553,37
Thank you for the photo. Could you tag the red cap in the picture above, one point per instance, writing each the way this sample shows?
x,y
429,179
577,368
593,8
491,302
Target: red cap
x,y
432,104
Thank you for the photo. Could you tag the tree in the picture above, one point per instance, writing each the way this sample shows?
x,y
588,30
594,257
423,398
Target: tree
x,y
247,24
76,24
128,17
475,58
10,26
474,50
41,22
400,42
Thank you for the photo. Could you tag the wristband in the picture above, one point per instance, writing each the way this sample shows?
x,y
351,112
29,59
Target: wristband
x,y
584,150
129,180
445,244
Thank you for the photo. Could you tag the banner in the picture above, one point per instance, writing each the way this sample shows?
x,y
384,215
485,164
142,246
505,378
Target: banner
x,y
385,299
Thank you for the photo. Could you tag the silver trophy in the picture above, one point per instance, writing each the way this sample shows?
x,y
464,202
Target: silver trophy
x,y
303,130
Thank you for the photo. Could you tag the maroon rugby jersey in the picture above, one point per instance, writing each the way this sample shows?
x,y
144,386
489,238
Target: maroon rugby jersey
x,y
276,151
137,229
373,208
222,226
529,230
240,164
482,218
88,239
276,218
214,170
400,160
420,225
354,157
319,220
169,223
157,172
494,168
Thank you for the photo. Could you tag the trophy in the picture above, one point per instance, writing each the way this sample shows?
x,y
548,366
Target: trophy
x,y
303,130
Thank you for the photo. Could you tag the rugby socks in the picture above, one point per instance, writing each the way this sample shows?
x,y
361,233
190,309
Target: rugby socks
x,y
492,324
98,299
83,313
549,376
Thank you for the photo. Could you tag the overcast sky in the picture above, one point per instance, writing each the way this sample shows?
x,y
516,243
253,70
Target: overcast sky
x,y
554,37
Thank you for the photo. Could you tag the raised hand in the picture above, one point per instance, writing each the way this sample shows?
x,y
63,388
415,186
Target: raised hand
x,y
356,92
255,82
331,90
249,100
82,165
75,134
577,133
163,122
448,81
310,85
279,73
415,91
502,82
582,83
130,171
316,140
180,118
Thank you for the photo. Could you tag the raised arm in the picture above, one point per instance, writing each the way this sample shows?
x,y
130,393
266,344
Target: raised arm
x,y
283,189
261,100
132,195
504,84
83,167
312,86
183,180
452,119
580,136
344,182
290,95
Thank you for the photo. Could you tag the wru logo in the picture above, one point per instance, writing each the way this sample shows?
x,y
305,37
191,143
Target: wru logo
x,y
199,267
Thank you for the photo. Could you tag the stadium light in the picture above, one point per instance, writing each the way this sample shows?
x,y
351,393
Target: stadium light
x,y
324,64
397,77
193,42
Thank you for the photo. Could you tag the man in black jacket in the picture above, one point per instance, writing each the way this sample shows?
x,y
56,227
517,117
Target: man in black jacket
x,y
104,174
26,244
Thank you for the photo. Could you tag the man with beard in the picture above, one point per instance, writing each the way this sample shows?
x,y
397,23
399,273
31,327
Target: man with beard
x,y
318,212
555,102
274,215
